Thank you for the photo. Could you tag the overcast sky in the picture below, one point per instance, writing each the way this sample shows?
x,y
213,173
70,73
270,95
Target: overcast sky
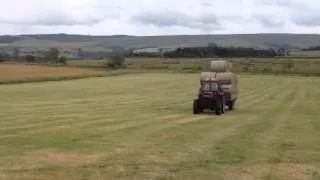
x,y
159,17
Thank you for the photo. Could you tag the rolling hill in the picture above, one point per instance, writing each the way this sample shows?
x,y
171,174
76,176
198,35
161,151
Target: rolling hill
x,y
100,46
248,40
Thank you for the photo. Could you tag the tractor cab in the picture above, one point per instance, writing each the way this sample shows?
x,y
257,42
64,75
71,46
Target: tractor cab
x,y
210,96
210,88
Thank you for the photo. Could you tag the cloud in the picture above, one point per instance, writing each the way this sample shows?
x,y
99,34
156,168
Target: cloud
x,y
53,13
310,19
54,19
170,18
206,3
276,2
296,12
305,13
268,22
145,17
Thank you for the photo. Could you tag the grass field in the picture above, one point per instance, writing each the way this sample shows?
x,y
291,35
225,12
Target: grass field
x,y
142,127
300,66
20,73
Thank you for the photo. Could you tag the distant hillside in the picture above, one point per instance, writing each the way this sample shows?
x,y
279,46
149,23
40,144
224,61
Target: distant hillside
x,y
101,46
247,40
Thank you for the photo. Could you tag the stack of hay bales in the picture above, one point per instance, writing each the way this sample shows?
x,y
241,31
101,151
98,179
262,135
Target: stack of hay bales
x,y
229,81
222,70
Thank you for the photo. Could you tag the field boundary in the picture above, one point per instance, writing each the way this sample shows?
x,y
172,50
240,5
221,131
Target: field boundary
x,y
136,71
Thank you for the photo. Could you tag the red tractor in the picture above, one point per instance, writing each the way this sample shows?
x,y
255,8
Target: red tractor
x,y
211,96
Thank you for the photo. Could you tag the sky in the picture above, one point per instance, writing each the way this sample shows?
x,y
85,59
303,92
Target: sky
x,y
159,17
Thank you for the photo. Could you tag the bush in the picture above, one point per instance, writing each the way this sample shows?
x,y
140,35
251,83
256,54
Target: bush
x,y
116,62
287,64
62,60
4,57
30,58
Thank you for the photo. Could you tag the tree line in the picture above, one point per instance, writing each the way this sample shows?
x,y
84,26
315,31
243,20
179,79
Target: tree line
x,y
53,55
215,51
312,48
50,56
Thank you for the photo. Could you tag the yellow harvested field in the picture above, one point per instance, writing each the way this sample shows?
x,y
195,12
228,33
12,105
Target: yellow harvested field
x,y
9,72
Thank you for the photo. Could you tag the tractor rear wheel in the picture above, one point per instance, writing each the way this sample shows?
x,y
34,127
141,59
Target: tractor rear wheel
x,y
218,110
223,109
196,109
231,105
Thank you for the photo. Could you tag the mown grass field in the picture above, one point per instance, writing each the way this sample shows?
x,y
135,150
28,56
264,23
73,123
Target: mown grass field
x,y
141,127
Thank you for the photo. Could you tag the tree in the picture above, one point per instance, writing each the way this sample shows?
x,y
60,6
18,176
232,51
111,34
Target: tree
x,y
30,58
4,57
212,45
53,54
62,60
80,52
116,61
161,51
287,64
16,53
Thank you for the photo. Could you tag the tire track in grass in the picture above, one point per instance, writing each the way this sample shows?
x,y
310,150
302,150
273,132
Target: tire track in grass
x,y
235,147
161,139
222,138
160,125
250,94
253,93
136,131
146,89
262,89
43,124
253,90
267,139
290,151
122,104
244,123
172,117
185,119
79,124
147,155
67,106
297,141
85,102
150,88
50,123
32,130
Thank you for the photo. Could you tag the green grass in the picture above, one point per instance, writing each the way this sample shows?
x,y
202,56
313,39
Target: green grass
x,y
142,127
306,54
304,67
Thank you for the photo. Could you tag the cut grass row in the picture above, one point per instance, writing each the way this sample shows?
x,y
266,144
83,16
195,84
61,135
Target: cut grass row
x,y
142,127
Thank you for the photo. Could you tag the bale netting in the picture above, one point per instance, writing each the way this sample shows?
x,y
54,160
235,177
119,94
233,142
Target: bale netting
x,y
220,66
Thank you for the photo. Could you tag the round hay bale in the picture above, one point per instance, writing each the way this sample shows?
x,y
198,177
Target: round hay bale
x,y
227,78
206,75
229,82
220,66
